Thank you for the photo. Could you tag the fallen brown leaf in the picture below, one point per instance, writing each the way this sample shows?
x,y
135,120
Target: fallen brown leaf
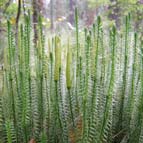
x,y
32,141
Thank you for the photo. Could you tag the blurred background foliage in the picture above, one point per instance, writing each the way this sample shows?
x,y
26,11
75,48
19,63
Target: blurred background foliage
x,y
64,9
55,11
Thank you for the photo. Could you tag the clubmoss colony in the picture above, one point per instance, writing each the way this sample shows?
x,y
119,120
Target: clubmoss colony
x,y
91,94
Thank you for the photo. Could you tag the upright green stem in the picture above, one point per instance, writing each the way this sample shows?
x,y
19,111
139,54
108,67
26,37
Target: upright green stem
x,y
10,43
85,96
121,110
108,104
132,98
92,121
77,56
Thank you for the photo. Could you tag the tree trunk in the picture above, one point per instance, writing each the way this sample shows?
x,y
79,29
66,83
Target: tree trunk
x,y
51,15
35,19
17,21
115,15
71,11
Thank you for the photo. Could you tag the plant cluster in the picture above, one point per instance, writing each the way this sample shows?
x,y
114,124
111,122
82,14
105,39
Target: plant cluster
x,y
87,91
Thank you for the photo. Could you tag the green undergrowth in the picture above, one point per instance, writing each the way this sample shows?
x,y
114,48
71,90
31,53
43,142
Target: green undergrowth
x,y
85,89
